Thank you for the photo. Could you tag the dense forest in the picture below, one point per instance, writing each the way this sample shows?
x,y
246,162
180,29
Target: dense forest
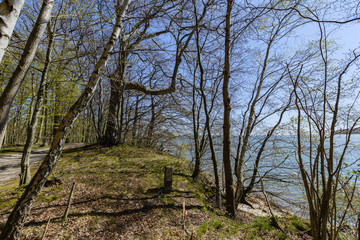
x,y
254,93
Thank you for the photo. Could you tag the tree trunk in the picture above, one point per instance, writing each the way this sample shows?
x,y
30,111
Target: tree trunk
x,y
16,80
208,129
4,139
249,127
118,86
17,217
97,114
212,147
207,111
251,185
25,160
14,127
113,128
195,123
57,107
122,136
39,135
46,114
151,126
136,118
230,198
9,14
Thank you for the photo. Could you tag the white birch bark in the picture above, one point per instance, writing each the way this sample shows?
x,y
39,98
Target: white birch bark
x,y
9,14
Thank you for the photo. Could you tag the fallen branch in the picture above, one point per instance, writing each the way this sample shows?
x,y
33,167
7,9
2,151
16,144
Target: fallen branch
x,y
45,230
69,201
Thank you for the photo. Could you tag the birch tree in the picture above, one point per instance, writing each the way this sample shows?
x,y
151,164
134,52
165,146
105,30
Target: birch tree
x,y
9,14
17,78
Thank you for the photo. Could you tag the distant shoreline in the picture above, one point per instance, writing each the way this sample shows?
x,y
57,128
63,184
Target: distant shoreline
x,y
346,131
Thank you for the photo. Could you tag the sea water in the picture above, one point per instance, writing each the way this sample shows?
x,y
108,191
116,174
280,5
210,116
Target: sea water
x,y
279,164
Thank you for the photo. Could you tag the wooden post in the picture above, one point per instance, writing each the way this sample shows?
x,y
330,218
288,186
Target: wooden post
x,y
69,201
168,179
184,219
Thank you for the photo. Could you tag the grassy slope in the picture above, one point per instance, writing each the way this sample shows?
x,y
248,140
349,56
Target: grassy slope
x,y
118,196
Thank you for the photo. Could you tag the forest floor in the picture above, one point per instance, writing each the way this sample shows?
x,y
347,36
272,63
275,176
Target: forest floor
x,y
11,158
119,195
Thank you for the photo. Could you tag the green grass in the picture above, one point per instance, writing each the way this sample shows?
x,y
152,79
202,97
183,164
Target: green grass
x,y
107,177
9,193
15,149
11,149
262,228
217,224
295,224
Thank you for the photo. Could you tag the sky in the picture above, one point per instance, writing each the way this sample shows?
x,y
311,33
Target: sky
x,y
347,38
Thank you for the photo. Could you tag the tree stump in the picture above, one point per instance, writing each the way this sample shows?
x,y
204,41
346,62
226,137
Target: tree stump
x,y
168,179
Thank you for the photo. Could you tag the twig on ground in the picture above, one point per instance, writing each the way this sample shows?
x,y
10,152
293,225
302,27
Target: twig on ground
x,y
69,201
45,230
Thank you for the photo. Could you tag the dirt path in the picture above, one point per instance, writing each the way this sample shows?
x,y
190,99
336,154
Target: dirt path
x,y
10,164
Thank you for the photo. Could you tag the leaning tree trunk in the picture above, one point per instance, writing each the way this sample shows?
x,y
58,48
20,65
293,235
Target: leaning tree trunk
x,y
240,188
25,175
254,175
16,80
211,141
207,121
17,217
9,14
